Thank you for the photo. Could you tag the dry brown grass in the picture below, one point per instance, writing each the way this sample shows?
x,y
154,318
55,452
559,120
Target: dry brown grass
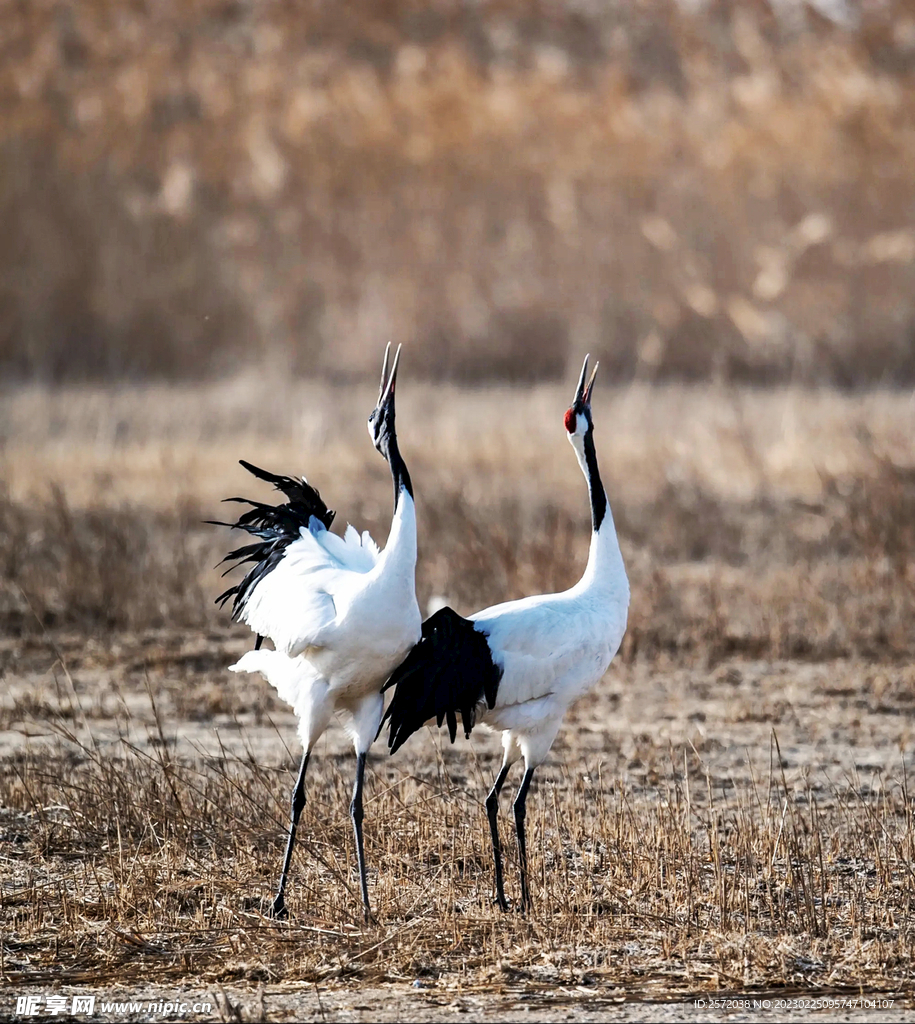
x,y
807,495
659,869
728,811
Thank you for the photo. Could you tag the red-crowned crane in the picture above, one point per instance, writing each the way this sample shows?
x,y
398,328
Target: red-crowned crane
x,y
341,614
518,666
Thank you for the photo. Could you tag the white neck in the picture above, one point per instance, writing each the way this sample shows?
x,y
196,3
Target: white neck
x,y
605,569
399,555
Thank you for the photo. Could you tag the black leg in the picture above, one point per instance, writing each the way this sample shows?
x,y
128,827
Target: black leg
x,y
492,810
520,814
298,802
355,812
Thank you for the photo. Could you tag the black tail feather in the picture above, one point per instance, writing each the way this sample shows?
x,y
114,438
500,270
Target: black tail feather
x,y
297,491
275,526
450,670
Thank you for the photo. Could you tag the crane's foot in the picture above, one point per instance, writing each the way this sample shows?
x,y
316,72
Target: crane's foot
x,y
521,907
367,917
278,908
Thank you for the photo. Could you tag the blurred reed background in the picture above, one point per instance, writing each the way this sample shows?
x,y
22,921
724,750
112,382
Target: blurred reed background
x,y
708,189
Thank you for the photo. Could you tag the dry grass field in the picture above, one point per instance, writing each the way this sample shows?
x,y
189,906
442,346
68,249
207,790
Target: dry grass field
x,y
729,812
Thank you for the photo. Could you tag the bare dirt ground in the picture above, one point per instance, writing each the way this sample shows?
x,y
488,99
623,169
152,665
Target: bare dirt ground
x,y
508,1002
727,816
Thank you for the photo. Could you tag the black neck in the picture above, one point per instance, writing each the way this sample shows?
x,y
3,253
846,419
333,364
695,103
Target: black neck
x,y
399,469
595,487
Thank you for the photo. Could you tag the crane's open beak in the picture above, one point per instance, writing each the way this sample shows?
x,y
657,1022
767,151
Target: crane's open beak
x,y
386,390
583,391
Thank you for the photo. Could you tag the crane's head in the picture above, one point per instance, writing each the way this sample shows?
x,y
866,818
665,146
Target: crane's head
x,y
578,416
381,420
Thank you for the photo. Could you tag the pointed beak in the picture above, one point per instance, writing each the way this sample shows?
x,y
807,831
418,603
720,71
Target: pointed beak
x,y
386,392
384,373
580,390
586,397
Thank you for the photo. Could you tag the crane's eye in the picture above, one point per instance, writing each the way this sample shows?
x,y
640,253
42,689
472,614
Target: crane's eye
x,y
570,421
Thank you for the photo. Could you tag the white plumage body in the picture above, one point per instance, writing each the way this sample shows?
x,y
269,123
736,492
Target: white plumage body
x,y
342,615
554,648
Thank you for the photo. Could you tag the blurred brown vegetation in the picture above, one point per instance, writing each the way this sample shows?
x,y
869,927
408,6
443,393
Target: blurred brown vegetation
x,y
710,579
716,189
754,524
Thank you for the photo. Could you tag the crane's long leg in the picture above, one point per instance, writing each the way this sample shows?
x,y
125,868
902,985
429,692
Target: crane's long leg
x,y
298,802
355,811
492,810
520,809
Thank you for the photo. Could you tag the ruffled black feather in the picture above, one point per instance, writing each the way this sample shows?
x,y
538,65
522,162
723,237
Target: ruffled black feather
x,y
449,670
275,526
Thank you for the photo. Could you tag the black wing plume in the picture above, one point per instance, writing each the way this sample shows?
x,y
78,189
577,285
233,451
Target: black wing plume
x,y
449,670
275,526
